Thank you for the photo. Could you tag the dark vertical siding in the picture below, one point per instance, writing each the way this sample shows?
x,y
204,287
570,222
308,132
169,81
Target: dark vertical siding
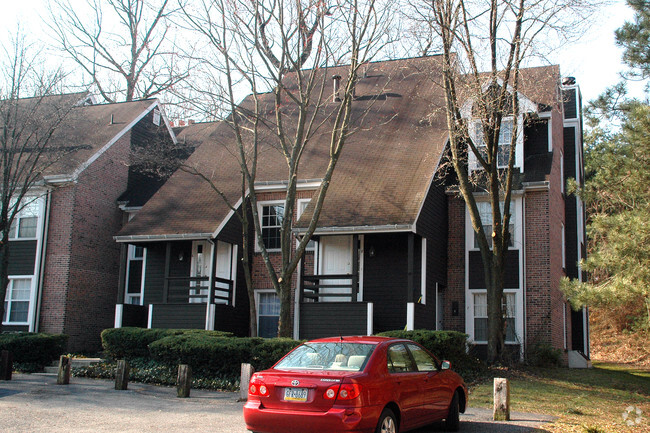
x,y
477,275
536,137
22,257
432,225
330,319
385,279
154,274
179,316
134,315
577,331
570,205
570,106
235,320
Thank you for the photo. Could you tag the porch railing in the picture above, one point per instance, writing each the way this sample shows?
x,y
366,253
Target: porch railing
x,y
195,290
318,288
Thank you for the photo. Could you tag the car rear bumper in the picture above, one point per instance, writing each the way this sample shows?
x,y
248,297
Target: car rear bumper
x,y
337,419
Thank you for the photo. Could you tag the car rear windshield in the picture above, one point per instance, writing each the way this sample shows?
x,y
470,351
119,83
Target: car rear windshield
x,y
328,356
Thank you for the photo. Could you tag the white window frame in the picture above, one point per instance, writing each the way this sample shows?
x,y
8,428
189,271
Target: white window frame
x,y
516,236
29,299
257,304
157,116
38,203
476,134
519,321
563,247
301,205
128,297
260,209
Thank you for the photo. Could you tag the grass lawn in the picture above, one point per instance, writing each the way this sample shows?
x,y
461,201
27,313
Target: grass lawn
x,y
584,401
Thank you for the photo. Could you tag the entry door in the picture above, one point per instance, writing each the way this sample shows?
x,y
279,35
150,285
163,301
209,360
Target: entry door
x,y
200,267
336,259
224,270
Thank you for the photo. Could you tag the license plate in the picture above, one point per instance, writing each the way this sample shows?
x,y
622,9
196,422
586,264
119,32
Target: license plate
x,y
295,394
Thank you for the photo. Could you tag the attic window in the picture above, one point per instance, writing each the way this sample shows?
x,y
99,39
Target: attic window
x,y
505,139
156,117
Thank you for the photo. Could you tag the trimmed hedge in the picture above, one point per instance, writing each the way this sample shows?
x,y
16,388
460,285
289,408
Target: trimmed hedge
x,y
445,345
33,351
130,343
218,356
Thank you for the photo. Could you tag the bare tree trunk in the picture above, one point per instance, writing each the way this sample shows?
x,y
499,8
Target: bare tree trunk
x,y
4,274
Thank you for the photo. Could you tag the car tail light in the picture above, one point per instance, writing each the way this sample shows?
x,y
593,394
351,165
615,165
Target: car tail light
x,y
257,387
346,391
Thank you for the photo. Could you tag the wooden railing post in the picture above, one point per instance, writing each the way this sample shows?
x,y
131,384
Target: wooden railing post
x,y
122,375
501,399
355,269
6,365
184,381
63,377
247,371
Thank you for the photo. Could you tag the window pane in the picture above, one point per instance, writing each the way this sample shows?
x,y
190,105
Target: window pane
x,y
21,289
271,222
480,329
399,360
27,227
423,361
19,311
480,305
138,252
12,229
511,334
269,304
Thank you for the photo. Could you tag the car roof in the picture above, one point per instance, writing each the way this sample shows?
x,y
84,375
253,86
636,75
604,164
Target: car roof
x,y
362,339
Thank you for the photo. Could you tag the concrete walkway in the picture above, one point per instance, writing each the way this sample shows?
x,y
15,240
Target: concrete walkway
x,y
34,403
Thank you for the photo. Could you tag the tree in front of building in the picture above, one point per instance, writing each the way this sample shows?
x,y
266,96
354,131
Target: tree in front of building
x,y
484,45
30,114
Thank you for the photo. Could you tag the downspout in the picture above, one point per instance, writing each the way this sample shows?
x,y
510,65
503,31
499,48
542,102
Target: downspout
x,y
523,274
41,270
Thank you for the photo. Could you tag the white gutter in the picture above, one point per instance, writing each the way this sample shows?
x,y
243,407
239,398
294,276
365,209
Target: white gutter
x,y
153,238
395,228
41,270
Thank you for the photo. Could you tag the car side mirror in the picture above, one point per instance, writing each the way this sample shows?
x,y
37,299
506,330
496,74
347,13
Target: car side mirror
x,y
446,365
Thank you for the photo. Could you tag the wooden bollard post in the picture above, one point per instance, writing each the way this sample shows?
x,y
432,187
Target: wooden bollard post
x,y
501,399
122,375
184,381
6,365
247,371
63,377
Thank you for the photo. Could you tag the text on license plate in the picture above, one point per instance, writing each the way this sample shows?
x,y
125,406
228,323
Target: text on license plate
x,y
295,394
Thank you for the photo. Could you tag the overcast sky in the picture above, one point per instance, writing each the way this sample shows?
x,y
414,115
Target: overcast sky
x,y
594,61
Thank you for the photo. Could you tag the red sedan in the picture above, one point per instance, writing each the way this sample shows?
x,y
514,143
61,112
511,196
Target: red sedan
x,y
355,384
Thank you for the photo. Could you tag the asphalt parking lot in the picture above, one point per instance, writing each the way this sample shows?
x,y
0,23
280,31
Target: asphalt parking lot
x,y
35,403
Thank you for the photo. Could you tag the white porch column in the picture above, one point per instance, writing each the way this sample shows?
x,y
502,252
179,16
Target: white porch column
x,y
119,313
369,320
150,318
410,316
209,317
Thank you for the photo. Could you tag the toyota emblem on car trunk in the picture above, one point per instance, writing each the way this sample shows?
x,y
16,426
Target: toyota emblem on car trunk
x,y
295,383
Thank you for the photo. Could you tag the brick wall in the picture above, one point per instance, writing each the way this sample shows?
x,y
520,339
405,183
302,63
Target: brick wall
x,y
260,275
57,261
537,266
561,322
455,291
82,263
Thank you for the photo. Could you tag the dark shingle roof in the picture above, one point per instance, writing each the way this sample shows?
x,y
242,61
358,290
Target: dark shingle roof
x,y
381,178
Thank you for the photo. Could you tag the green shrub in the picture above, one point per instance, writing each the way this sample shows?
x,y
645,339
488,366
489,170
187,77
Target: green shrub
x,y
130,343
449,345
445,345
33,351
215,356
543,355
